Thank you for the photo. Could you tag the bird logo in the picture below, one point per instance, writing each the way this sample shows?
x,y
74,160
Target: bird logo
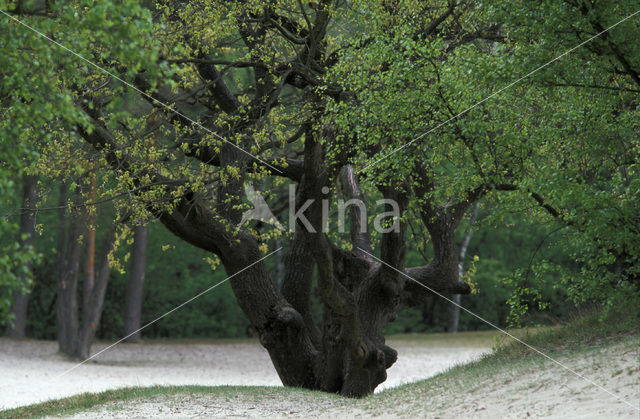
x,y
260,210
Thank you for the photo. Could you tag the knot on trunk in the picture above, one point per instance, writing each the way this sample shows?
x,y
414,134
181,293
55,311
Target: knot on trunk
x,y
390,355
285,325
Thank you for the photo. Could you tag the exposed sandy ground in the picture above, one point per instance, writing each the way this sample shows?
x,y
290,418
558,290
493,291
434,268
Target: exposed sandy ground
x,y
535,388
540,388
30,370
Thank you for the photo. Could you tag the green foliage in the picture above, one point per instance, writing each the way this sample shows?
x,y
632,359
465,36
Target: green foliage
x,y
566,138
560,147
38,96
586,156
15,277
14,260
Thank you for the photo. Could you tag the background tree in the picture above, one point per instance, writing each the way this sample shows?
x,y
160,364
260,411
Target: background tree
x,y
77,322
17,327
133,304
590,104
454,309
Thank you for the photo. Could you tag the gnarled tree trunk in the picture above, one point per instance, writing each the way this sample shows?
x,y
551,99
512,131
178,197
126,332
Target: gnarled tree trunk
x,y
345,352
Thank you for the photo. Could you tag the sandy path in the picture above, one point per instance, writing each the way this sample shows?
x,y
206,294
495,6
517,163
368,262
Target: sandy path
x,y
30,369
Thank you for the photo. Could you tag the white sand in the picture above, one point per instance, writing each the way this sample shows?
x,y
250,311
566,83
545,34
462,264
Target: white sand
x,y
545,389
30,370
536,388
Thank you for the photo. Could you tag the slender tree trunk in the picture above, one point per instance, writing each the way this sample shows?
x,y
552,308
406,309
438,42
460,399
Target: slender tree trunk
x,y
133,305
17,329
68,260
454,313
454,309
90,256
93,311
74,336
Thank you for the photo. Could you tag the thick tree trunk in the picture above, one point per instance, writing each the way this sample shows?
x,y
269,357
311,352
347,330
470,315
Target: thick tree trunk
x,y
17,328
348,354
298,280
133,301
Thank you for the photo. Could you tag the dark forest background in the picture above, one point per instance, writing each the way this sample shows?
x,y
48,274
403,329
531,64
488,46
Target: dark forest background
x,y
516,275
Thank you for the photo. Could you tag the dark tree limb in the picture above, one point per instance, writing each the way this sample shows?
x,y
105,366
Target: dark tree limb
x,y
358,223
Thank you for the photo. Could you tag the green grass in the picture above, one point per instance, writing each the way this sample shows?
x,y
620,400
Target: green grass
x,y
87,400
585,334
82,402
481,339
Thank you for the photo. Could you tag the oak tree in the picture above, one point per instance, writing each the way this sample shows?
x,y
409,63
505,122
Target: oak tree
x,y
343,99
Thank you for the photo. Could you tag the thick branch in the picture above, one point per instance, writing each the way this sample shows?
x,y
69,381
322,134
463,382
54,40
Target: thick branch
x,y
220,93
433,25
432,277
358,222
315,178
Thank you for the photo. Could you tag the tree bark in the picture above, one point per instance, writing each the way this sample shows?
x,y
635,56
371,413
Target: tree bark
x,y
76,328
92,313
90,257
68,259
133,302
17,329
279,266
